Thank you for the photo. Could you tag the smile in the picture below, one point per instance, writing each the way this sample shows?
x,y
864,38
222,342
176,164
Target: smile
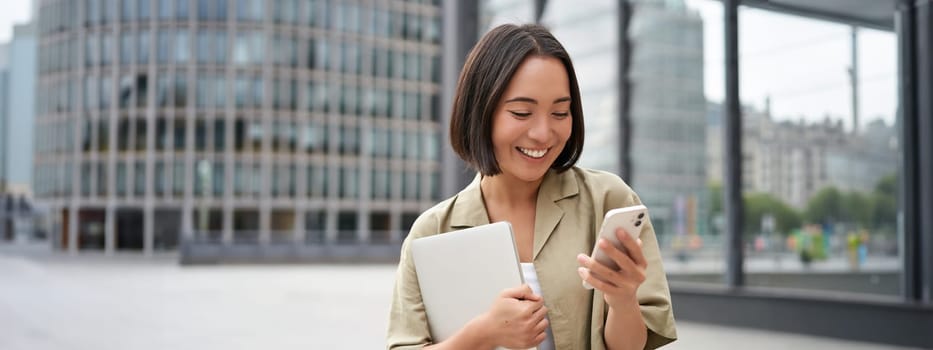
x,y
533,153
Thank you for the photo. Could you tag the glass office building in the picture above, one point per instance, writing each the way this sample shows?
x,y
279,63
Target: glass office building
x,y
292,123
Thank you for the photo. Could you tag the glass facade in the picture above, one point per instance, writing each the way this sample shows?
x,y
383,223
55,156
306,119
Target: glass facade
x,y
209,105
819,163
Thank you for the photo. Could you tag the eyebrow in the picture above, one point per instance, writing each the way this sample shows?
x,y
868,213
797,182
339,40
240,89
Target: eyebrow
x,y
531,100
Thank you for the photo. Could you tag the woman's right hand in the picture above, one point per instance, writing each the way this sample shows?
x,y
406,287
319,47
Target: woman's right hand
x,y
516,319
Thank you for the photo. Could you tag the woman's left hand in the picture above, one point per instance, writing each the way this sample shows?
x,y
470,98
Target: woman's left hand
x,y
618,286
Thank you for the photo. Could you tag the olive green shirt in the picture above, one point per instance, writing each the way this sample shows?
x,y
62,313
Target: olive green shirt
x,y
568,215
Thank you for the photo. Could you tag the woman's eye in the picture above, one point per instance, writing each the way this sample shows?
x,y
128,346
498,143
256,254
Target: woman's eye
x,y
520,114
561,114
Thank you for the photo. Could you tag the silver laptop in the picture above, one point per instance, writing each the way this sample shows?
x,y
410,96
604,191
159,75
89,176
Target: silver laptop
x,y
462,272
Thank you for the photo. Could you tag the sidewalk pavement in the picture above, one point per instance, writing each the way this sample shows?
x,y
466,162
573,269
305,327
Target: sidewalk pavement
x,y
51,300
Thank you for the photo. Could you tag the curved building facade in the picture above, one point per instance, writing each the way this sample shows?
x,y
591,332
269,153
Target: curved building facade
x,y
290,123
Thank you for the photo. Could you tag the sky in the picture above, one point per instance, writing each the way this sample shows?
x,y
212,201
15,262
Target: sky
x,y
14,12
801,64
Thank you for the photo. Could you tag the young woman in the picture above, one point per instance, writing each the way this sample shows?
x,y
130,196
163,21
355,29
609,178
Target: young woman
x,y
517,119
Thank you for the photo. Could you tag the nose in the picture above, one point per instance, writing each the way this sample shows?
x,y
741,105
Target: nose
x,y
540,129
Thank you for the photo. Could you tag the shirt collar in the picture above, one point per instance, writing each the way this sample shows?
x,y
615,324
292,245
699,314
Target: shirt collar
x,y
469,210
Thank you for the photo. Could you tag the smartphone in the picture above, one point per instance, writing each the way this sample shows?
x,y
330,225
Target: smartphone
x,y
631,219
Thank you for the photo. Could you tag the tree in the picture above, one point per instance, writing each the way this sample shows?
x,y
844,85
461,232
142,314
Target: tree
x,y
757,205
857,208
825,206
884,210
715,197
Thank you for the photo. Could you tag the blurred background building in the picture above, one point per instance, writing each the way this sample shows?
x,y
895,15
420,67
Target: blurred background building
x,y
18,214
291,124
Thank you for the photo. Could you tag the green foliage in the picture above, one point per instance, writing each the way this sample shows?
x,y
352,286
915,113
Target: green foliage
x,y
715,197
757,205
867,210
884,210
887,185
825,205
875,210
857,207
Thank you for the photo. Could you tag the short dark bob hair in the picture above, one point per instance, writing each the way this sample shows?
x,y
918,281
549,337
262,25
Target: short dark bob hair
x,y
486,74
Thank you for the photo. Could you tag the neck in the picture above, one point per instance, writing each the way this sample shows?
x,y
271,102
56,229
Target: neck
x,y
509,191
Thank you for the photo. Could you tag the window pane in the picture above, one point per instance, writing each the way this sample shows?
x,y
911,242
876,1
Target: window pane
x,y
219,91
820,181
121,179
242,91
161,134
162,92
164,46
123,135
143,9
179,134
105,88
102,182
219,135
204,10
178,178
126,48
107,49
127,12
239,135
182,9
159,178
139,178
220,47
103,135
165,9
93,9
205,91
220,10
109,13
181,90
141,134
142,56
200,135
241,49
204,46
181,46
217,179
240,178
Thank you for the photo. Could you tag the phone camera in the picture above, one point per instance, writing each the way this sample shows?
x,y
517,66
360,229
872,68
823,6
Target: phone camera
x,y
641,216
637,223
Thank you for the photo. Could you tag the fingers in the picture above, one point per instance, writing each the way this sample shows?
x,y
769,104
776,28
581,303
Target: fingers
x,y
602,272
539,324
620,257
633,247
522,292
630,259
594,281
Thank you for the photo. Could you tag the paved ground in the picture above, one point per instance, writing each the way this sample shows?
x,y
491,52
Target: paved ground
x,y
58,301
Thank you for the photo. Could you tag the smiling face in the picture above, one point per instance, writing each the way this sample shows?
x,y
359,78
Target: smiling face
x,y
532,121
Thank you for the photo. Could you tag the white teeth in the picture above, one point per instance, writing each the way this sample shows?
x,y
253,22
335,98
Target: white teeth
x,y
533,153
